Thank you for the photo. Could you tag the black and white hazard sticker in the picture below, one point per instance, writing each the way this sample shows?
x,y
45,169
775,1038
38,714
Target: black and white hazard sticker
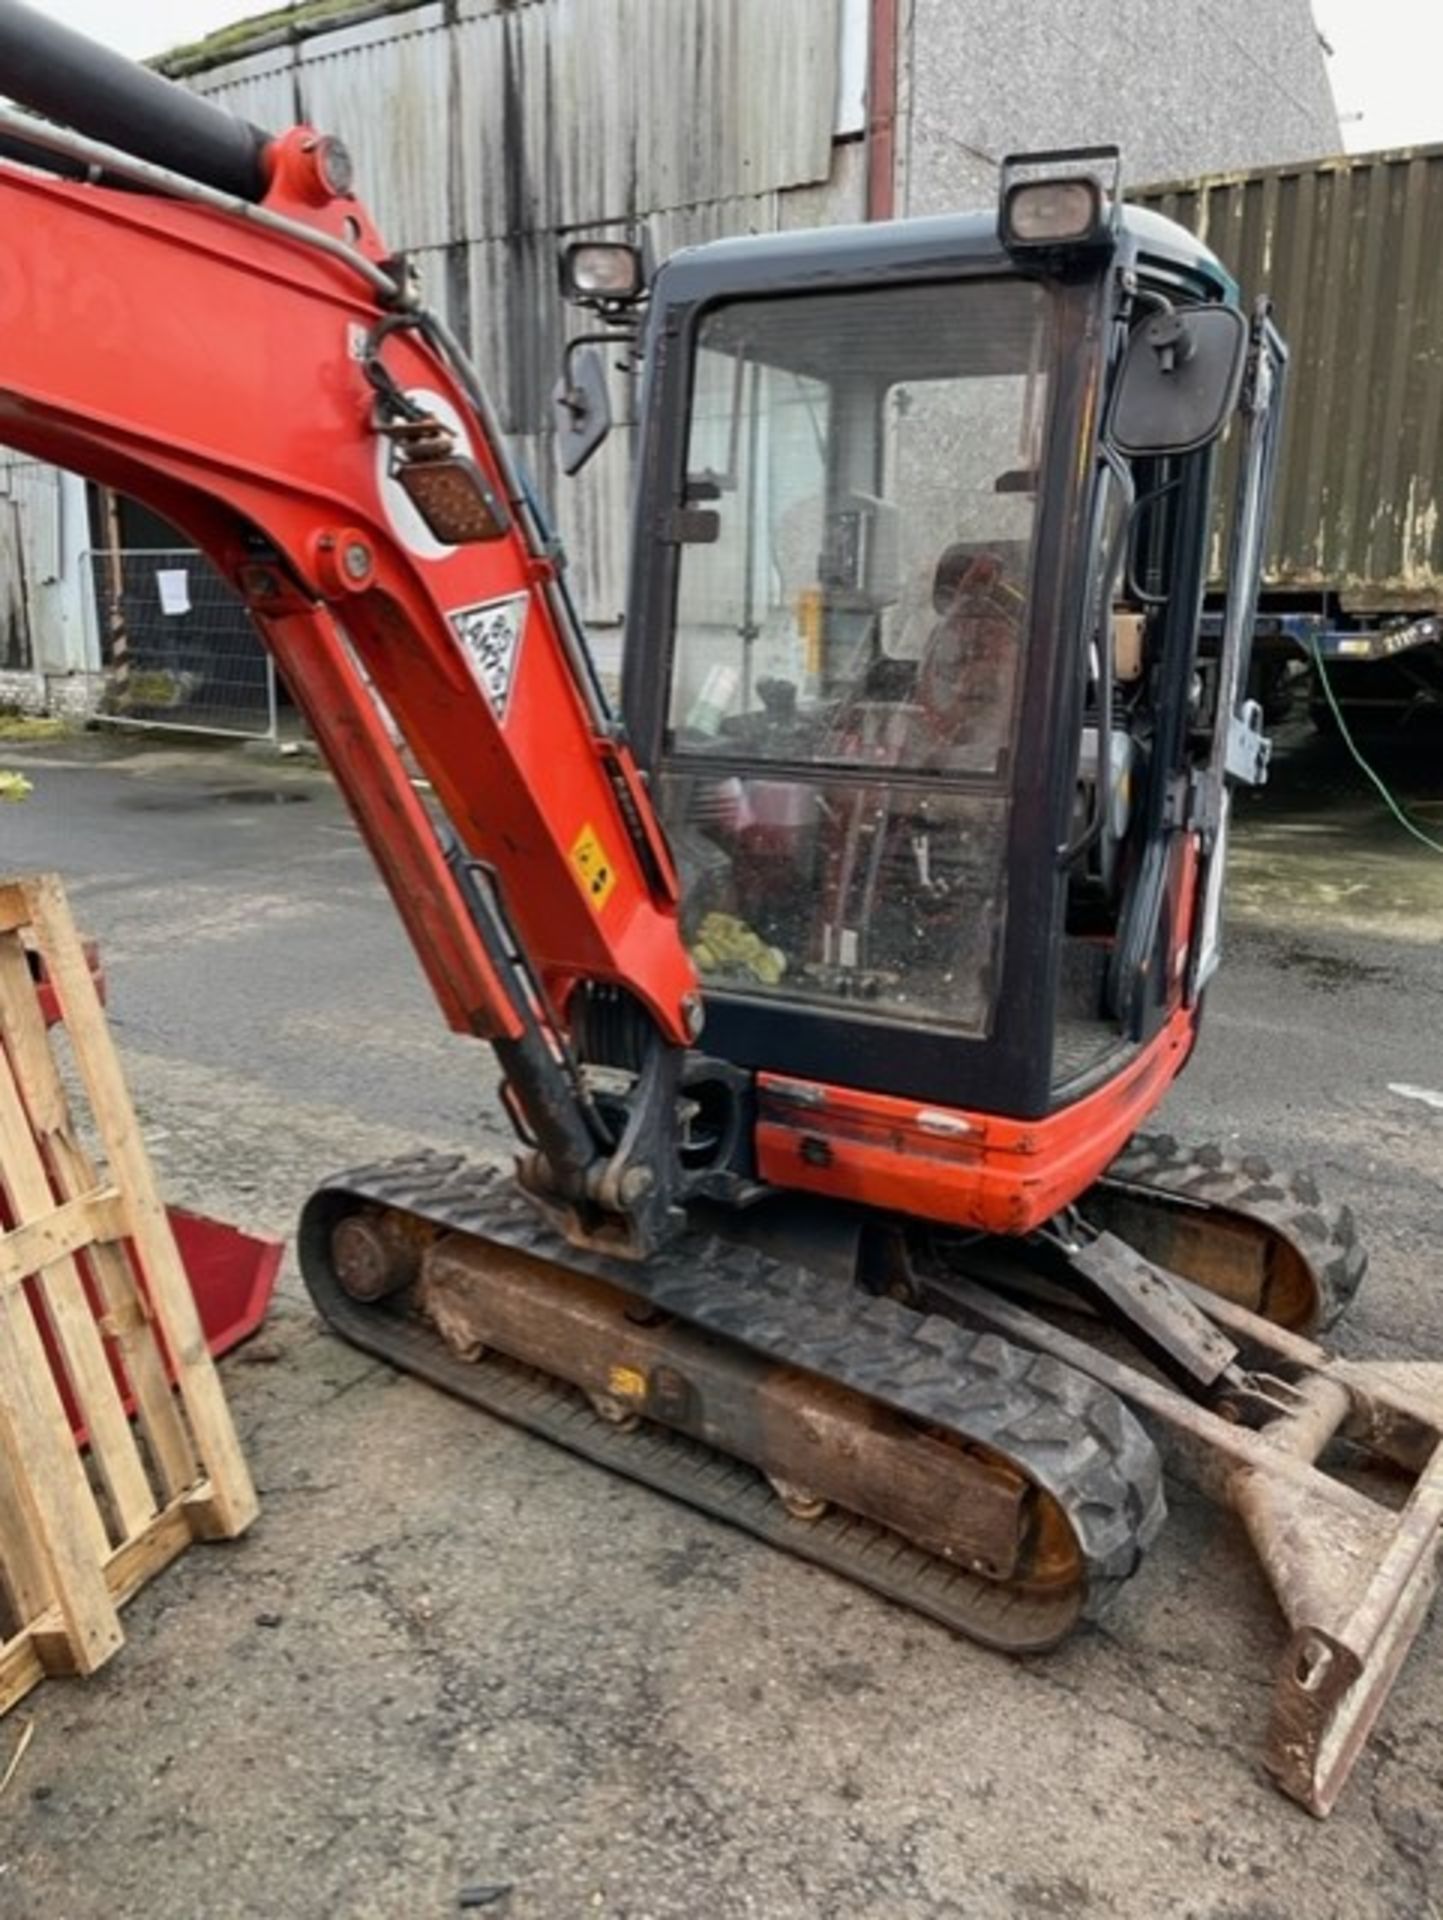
x,y
491,636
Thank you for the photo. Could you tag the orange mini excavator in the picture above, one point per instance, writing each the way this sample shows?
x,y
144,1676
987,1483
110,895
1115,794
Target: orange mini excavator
x,y
832,984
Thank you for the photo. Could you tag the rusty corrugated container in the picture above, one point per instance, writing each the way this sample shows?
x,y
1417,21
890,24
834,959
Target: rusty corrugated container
x,y
1351,251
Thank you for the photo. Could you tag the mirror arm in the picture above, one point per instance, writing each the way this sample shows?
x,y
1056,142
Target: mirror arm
x,y
1142,296
572,399
1134,586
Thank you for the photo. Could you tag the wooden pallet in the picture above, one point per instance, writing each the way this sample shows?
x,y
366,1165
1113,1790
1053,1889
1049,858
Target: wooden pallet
x,y
91,1285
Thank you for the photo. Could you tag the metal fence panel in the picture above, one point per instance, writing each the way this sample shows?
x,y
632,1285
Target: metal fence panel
x,y
177,645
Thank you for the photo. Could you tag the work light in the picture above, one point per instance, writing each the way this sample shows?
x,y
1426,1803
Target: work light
x,y
602,273
1057,200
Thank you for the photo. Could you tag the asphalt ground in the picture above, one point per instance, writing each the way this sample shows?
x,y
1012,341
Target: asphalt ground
x,y
451,1659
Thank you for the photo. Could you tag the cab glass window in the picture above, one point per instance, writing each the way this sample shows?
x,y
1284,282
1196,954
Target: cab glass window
x,y
858,526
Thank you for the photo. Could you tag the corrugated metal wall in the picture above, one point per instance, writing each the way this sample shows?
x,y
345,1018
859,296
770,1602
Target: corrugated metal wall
x,y
487,130
29,556
481,144
1351,251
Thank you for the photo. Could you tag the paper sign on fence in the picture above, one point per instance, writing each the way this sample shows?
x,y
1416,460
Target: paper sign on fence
x,y
173,586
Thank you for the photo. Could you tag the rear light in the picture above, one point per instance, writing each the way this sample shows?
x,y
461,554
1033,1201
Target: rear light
x,y
452,497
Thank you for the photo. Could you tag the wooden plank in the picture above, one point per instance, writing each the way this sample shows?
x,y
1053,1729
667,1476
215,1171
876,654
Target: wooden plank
x,y
43,1646
128,1569
72,1321
20,1670
44,1467
24,1576
23,1027
231,1506
164,1540
14,907
60,1234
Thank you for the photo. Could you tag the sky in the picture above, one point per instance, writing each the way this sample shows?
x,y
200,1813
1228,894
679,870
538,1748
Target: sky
x,y
1385,66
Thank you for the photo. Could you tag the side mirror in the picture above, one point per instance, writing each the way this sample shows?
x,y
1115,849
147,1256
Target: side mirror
x,y
1179,381
580,409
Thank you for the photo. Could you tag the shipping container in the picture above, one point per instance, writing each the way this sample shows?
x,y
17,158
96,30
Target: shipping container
x,y
1350,251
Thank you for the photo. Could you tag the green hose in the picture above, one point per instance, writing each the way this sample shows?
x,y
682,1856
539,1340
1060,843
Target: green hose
x,y
1409,826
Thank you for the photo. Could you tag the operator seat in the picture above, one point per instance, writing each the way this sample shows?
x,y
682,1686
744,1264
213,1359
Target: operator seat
x,y
968,669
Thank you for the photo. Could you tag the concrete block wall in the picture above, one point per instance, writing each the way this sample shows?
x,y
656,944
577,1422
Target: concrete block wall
x,y
1200,86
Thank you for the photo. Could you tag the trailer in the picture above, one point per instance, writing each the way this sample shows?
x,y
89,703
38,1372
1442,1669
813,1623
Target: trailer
x,y
1350,251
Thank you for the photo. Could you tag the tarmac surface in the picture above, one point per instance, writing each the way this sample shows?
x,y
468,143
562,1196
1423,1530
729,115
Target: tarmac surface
x,y
451,1662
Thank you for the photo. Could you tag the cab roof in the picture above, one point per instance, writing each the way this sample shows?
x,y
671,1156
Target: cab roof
x,y
922,248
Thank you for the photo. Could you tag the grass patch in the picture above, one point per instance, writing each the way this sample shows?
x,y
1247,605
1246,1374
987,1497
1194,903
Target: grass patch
x,y
276,25
32,726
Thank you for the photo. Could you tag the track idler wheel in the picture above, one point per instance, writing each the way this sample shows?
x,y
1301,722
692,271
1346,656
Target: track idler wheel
x,y
377,1251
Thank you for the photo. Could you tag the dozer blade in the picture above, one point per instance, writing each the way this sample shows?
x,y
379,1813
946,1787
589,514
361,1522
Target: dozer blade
x,y
997,1491
1259,1235
1353,1574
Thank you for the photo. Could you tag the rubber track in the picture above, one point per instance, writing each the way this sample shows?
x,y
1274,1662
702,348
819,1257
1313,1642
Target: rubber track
x,y
1286,1201
1070,1436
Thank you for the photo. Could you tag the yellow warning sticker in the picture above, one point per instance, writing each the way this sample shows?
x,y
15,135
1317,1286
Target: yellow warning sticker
x,y
592,862
627,1383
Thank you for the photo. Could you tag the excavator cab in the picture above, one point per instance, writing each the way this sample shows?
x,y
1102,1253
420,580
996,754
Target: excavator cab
x,y
914,662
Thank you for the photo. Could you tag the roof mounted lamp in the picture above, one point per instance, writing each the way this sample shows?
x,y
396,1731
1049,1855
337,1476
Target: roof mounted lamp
x,y
1061,201
606,275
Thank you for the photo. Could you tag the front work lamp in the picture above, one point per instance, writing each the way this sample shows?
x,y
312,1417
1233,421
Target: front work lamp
x,y
602,274
1058,201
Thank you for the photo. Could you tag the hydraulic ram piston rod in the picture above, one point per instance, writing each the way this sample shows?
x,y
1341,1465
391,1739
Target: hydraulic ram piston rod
x,y
57,72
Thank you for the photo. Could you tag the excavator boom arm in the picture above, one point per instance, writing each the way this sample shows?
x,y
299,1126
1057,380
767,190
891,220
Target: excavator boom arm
x,y
260,372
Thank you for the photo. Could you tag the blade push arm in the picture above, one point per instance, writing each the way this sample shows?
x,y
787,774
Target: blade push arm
x,y
263,375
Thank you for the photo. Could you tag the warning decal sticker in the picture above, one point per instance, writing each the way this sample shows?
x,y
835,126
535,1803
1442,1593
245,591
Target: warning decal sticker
x,y
589,858
491,635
